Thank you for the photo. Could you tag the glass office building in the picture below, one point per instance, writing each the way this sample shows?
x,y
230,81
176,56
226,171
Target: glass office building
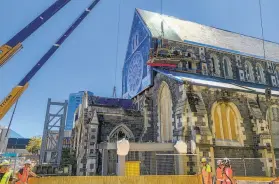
x,y
74,100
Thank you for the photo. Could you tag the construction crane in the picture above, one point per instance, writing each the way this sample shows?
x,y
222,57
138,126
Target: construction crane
x,y
15,43
16,92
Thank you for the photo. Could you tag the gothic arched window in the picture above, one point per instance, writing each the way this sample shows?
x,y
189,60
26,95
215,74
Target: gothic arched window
x,y
277,74
249,71
260,73
227,68
226,121
215,64
120,132
165,113
180,65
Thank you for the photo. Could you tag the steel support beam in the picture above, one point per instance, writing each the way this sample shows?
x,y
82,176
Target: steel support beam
x,y
140,146
53,134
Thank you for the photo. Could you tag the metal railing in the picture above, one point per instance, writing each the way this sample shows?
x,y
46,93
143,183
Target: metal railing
x,y
169,163
250,166
162,163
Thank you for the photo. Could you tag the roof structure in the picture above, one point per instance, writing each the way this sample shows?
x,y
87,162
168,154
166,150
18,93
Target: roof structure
x,y
214,82
110,102
185,31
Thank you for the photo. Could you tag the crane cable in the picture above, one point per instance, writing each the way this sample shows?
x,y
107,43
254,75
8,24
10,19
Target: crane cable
x,y
162,23
269,107
261,17
12,117
117,50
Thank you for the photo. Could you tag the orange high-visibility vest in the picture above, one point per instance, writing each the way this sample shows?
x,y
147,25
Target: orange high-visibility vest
x,y
22,176
219,175
206,174
228,175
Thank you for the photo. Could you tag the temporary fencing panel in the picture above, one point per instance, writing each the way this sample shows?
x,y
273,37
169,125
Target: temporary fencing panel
x,y
164,163
277,167
254,180
176,164
249,166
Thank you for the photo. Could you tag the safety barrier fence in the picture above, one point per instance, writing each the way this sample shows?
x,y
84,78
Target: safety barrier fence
x,y
168,163
251,166
171,179
160,163
255,180
118,180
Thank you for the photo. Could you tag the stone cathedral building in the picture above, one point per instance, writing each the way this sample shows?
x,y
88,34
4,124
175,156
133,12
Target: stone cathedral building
x,y
214,91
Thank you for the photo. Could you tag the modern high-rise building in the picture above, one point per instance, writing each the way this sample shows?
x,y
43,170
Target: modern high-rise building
x,y
74,100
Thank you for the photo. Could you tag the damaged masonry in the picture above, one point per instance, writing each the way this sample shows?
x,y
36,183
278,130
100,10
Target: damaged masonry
x,y
223,96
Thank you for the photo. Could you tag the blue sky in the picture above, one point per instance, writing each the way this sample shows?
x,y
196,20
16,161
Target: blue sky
x,y
86,60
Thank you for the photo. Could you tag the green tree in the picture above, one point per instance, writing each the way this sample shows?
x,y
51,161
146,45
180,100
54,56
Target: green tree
x,y
68,158
34,145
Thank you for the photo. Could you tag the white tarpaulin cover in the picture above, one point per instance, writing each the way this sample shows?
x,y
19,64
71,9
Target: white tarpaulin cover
x,y
123,147
181,147
260,90
185,31
213,83
200,80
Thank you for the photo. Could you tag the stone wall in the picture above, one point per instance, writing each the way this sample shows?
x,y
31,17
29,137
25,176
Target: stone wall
x,y
95,125
238,68
254,132
191,112
132,119
151,107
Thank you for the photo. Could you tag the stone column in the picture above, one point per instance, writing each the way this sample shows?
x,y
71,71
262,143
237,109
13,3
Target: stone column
x,y
104,162
181,148
121,165
123,148
212,159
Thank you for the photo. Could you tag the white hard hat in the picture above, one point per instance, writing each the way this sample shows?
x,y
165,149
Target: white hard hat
x,y
219,162
226,161
28,162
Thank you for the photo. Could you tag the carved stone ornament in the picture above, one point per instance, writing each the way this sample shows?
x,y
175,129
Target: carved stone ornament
x,y
265,136
225,96
268,94
193,98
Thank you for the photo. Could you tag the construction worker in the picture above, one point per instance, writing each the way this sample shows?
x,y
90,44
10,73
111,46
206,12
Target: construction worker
x,y
206,172
219,172
227,172
24,173
5,172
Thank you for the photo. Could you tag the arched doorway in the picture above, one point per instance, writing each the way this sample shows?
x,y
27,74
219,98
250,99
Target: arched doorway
x,y
119,132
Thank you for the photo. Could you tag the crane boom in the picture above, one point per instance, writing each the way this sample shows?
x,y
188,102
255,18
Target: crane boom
x,y
16,92
15,43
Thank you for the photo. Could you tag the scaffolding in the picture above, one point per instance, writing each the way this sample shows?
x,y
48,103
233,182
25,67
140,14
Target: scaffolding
x,y
53,134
